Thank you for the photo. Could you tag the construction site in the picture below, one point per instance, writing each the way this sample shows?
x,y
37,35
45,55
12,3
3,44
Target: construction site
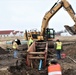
x,y
33,56
11,66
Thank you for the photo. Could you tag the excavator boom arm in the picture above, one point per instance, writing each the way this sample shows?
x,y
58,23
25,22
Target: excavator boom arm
x,y
53,10
69,9
49,15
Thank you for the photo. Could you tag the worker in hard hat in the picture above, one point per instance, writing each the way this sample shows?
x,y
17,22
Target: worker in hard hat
x,y
54,68
15,47
58,48
30,41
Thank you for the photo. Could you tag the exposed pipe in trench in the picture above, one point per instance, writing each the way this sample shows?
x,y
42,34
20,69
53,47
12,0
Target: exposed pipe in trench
x,y
40,65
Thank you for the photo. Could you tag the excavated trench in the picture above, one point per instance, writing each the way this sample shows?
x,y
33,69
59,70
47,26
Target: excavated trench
x,y
19,66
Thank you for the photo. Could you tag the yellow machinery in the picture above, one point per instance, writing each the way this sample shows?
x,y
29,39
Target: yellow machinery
x,y
36,35
32,33
43,34
39,49
53,10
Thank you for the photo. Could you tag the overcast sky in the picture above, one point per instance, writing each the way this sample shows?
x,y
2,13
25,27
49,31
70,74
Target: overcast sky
x,y
28,14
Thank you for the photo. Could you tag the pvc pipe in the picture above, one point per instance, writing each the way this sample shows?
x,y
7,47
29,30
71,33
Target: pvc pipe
x,y
40,64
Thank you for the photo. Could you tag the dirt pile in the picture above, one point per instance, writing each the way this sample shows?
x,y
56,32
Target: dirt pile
x,y
18,70
69,63
70,50
2,51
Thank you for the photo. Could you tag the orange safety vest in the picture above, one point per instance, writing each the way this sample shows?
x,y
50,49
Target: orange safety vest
x,y
54,70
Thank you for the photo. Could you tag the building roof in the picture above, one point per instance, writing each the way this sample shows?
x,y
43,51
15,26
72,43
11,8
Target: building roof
x,y
6,31
15,32
21,31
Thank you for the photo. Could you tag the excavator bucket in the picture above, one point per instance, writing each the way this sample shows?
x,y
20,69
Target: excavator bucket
x,y
71,30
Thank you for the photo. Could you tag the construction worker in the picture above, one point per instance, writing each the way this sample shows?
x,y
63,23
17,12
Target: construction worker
x,y
15,47
54,68
58,48
30,41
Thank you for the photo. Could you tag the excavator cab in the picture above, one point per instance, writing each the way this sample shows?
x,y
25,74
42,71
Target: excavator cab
x,y
49,34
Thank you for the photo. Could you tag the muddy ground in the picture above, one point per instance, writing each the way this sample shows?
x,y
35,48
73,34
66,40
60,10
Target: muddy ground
x,y
68,64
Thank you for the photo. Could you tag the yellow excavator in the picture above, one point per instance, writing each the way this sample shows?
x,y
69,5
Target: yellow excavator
x,y
65,4
39,49
47,33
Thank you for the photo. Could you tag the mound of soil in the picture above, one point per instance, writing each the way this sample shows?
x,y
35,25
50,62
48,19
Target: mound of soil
x,y
2,51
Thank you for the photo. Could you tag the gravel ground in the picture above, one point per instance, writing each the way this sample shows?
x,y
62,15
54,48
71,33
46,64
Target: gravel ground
x,y
68,65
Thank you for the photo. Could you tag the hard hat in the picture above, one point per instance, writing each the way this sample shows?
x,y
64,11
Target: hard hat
x,y
53,61
15,39
57,40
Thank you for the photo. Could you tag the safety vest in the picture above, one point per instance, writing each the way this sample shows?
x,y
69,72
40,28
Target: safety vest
x,y
59,45
54,70
30,41
15,45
